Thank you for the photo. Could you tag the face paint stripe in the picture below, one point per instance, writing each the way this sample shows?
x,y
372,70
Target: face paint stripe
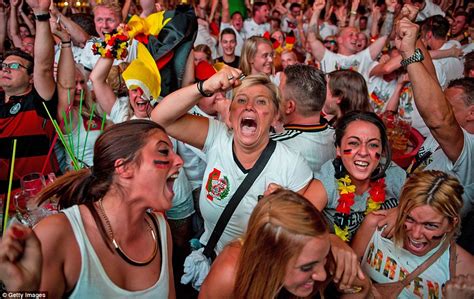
x,y
347,151
161,164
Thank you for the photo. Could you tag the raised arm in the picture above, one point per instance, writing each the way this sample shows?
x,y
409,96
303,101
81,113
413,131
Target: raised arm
x,y
353,12
14,31
27,20
125,9
66,72
44,51
376,47
104,93
429,98
78,36
3,27
225,12
171,112
317,47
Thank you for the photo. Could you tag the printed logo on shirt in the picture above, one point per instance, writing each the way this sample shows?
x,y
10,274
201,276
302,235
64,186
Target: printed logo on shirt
x,y
352,65
15,109
378,99
388,267
217,187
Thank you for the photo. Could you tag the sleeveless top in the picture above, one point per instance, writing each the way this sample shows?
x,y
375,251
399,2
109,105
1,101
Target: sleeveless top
x,y
93,281
385,263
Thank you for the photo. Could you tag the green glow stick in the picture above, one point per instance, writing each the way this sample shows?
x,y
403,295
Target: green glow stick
x,y
10,181
104,117
87,132
79,117
61,137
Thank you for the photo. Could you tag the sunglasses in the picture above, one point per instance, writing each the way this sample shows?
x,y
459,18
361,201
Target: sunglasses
x,y
12,66
329,42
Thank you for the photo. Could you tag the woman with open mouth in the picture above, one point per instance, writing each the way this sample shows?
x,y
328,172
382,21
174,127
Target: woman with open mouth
x,y
233,152
111,239
427,223
362,178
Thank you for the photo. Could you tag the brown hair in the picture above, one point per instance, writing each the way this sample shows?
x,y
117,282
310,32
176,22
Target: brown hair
x,y
351,88
278,229
435,188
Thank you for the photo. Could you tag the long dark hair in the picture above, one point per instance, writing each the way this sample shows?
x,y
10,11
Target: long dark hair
x,y
120,141
372,118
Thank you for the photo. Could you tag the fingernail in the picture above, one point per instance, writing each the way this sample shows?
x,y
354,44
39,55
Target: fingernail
x,y
17,232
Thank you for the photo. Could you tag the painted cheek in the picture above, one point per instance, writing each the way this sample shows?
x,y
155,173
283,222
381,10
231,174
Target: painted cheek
x,y
161,164
347,151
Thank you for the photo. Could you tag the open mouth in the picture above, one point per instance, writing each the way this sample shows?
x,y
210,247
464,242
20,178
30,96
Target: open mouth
x,y
142,105
170,181
416,246
363,164
248,126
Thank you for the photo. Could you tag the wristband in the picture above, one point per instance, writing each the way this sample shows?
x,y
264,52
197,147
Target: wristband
x,y
66,42
201,90
353,12
42,17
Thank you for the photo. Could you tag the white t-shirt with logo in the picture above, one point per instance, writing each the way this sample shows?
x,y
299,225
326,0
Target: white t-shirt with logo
x,y
223,176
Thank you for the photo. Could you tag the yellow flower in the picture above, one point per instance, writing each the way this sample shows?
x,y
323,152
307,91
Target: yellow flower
x,y
342,233
344,185
372,206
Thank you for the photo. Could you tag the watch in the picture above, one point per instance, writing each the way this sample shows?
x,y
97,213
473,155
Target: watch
x,y
416,57
43,17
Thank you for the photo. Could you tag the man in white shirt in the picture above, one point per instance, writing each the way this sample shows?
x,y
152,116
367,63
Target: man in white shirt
x,y
434,32
258,23
426,9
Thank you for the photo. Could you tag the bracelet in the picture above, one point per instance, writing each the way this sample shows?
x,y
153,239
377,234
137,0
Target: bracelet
x,y
66,42
201,90
353,12
42,17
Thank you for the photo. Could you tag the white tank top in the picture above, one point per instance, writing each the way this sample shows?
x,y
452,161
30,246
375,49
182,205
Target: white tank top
x,y
93,281
384,263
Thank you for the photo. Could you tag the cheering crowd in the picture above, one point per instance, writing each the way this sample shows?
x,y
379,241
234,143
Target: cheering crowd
x,y
237,149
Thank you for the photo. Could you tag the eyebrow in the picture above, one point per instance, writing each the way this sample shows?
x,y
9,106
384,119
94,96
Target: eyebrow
x,y
426,222
371,139
162,142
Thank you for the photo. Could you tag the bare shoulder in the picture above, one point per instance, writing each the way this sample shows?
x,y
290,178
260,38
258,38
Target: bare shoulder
x,y
464,262
220,281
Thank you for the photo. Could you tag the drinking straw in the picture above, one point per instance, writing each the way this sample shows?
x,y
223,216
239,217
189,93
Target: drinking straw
x,y
66,127
79,118
6,206
61,137
87,132
70,117
103,122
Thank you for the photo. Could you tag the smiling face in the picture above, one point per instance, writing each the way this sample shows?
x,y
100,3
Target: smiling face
x,y
308,267
458,25
105,21
228,44
251,114
81,86
141,107
347,41
360,150
262,62
424,229
159,166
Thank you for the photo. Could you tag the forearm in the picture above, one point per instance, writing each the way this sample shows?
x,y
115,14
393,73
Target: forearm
x,y
105,95
387,24
44,58
3,31
13,27
28,22
125,9
78,35
175,105
393,102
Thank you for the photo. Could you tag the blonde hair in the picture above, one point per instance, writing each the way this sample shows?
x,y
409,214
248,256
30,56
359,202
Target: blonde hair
x,y
249,50
264,80
435,188
278,229
111,5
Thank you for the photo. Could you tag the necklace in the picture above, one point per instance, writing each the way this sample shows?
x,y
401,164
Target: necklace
x,y
346,201
119,250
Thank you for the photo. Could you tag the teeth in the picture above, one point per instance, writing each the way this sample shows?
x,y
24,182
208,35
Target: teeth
x,y
173,176
361,163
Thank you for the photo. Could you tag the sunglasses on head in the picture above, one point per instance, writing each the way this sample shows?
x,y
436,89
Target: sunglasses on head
x,y
12,66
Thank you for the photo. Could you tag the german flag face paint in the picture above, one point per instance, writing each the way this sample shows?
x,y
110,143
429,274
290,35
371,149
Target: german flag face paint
x,y
161,164
347,151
